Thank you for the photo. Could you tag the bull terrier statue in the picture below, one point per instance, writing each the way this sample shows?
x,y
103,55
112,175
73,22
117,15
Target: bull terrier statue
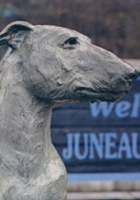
x,y
43,67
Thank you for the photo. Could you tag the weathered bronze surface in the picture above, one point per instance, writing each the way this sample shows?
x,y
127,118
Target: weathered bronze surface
x,y
46,66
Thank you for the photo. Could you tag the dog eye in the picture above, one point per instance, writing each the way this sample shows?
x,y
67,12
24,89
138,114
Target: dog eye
x,y
71,41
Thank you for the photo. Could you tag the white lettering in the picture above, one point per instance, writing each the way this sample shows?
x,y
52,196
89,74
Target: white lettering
x,y
124,147
67,153
136,106
122,109
101,107
77,146
110,145
102,145
96,144
135,145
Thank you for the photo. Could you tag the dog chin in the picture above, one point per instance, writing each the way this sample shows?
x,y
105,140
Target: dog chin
x,y
88,96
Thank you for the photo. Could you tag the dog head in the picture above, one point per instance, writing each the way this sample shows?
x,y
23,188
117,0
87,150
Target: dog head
x,y
60,64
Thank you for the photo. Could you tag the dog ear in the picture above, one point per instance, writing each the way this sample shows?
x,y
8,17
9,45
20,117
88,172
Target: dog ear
x,y
13,35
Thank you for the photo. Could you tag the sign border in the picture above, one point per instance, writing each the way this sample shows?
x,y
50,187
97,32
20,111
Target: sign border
x,y
78,177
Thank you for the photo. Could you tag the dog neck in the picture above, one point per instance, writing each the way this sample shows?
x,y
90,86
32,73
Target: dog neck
x,y
24,127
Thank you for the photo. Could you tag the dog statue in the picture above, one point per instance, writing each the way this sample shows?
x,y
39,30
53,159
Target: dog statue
x,y
45,66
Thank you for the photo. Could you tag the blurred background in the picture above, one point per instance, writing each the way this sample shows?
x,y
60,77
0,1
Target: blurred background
x,y
112,24
115,26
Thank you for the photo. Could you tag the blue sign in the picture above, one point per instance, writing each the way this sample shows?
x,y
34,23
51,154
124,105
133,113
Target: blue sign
x,y
100,141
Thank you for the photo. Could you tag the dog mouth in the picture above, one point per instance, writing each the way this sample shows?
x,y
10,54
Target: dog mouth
x,y
111,90
85,94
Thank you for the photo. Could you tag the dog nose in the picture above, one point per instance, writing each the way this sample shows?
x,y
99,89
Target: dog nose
x,y
125,81
131,76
